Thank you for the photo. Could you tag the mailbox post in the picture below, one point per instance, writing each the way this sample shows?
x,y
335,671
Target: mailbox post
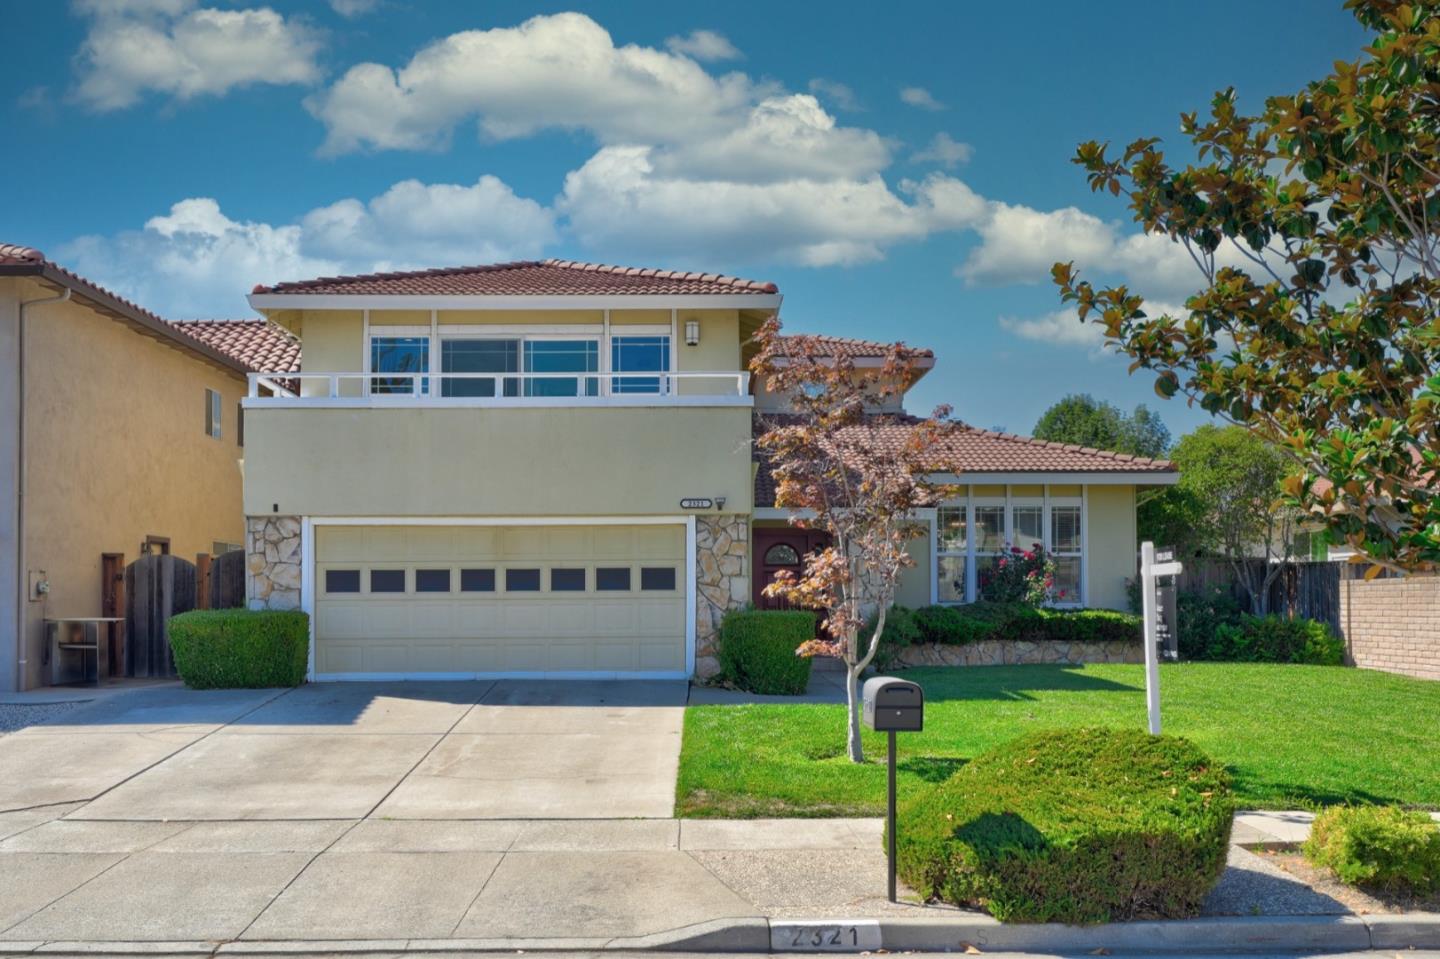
x,y
892,706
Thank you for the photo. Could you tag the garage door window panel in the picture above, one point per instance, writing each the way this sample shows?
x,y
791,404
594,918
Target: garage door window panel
x,y
657,578
613,579
563,580
522,581
477,581
342,581
387,581
432,581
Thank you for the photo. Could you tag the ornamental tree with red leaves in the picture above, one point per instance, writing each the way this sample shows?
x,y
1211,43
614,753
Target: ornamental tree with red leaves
x,y
845,467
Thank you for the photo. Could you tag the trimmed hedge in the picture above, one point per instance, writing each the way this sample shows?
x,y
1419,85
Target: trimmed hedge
x,y
1078,826
958,625
1381,846
240,648
757,650
1273,639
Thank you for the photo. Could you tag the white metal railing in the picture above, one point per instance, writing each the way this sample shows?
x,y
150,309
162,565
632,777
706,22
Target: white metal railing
x,y
495,388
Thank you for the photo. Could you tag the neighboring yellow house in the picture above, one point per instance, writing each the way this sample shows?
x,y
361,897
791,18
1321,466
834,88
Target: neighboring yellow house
x,y
545,469
119,434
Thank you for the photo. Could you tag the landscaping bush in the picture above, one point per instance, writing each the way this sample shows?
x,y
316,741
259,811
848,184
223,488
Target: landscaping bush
x,y
240,648
1199,616
1273,639
757,650
1078,825
1381,846
957,625
902,629
1020,576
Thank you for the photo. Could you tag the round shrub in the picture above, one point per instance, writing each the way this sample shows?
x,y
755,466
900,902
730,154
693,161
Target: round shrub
x,y
240,648
757,650
1382,846
1077,826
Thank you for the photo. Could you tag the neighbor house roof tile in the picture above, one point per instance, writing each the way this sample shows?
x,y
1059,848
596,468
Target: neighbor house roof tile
x,y
846,346
262,346
969,451
527,278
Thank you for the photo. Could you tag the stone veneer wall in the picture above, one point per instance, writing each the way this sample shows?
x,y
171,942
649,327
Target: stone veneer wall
x,y
1004,652
722,580
1393,624
272,568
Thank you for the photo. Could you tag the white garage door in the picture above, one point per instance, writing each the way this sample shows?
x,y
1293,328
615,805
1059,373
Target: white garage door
x,y
418,600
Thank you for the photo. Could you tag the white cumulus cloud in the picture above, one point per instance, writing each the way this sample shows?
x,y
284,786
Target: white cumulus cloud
x,y
703,45
197,261
837,94
171,47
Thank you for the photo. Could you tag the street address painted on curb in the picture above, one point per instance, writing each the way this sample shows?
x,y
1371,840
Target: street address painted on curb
x,y
822,936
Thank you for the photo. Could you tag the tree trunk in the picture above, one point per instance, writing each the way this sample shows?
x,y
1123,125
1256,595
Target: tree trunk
x,y
854,747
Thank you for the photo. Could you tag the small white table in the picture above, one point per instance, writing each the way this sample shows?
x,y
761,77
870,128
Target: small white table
x,y
79,634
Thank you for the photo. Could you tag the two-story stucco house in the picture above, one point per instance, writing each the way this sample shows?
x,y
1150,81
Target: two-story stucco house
x,y
120,434
545,468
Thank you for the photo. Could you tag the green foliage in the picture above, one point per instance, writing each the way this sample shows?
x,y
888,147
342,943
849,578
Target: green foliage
x,y
1081,419
1199,617
757,650
1379,846
1273,639
902,629
1080,826
959,625
240,648
1022,576
1315,229
1171,516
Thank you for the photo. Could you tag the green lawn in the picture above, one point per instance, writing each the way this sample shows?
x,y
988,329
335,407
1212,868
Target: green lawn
x,y
1292,736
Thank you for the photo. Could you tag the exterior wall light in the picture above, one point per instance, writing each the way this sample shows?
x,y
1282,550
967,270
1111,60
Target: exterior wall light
x,y
692,332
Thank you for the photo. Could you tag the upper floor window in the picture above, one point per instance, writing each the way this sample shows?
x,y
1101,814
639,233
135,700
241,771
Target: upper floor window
x,y
562,356
399,354
477,357
212,413
639,354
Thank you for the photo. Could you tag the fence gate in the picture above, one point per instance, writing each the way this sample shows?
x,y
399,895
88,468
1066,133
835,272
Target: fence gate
x,y
156,588
227,580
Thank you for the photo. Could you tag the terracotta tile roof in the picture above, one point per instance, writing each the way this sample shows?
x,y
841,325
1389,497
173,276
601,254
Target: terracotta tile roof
x,y
969,450
16,260
848,347
262,346
528,278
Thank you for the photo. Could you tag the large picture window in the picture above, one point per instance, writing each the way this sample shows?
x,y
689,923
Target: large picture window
x,y
399,354
480,356
974,533
639,354
562,356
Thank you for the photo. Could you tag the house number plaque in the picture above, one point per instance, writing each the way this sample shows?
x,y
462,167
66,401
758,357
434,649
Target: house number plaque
x,y
696,502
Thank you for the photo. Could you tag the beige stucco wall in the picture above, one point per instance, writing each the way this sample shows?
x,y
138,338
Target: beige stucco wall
x,y
914,587
9,477
116,450
495,461
1111,536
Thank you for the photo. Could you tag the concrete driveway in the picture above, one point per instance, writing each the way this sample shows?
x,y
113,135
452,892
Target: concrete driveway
x,y
347,751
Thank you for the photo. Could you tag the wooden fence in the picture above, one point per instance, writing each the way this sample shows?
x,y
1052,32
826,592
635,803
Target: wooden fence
x,y
156,588
1308,589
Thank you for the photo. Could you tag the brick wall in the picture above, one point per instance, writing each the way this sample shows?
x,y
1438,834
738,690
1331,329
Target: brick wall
x,y
1393,624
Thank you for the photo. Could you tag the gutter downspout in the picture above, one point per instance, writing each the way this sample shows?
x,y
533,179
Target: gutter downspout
x,y
22,573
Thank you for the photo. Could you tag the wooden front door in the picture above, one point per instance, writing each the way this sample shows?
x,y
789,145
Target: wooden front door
x,y
112,603
780,549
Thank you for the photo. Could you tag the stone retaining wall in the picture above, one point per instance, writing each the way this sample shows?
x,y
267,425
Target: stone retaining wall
x,y
272,567
1005,652
722,580
1393,624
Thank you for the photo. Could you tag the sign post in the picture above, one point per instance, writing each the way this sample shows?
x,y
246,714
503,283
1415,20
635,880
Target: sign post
x,y
1153,565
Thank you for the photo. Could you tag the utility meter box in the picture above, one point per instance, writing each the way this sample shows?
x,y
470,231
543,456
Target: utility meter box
x,y
893,705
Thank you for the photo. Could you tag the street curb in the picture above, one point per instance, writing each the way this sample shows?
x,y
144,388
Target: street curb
x,y
1214,936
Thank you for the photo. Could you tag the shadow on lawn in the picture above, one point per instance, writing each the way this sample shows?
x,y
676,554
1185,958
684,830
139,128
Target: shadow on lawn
x,y
931,769
1012,683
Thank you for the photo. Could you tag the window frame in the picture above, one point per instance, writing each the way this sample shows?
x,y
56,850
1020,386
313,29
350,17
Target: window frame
x,y
406,332
973,554
214,414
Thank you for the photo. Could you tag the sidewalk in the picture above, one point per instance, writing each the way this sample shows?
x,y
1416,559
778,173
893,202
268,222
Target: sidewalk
x,y
396,885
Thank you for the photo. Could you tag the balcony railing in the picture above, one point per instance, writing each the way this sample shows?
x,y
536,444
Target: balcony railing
x,y
500,389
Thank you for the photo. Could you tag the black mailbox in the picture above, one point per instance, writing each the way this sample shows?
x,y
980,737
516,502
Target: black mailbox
x,y
893,705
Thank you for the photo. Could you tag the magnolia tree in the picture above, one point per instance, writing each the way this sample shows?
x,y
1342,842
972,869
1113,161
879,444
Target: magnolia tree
x,y
1315,229
858,475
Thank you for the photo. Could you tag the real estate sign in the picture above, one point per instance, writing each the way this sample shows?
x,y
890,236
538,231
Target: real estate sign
x,y
1152,569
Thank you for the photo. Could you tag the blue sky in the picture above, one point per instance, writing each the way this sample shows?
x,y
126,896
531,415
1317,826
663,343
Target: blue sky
x,y
900,170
